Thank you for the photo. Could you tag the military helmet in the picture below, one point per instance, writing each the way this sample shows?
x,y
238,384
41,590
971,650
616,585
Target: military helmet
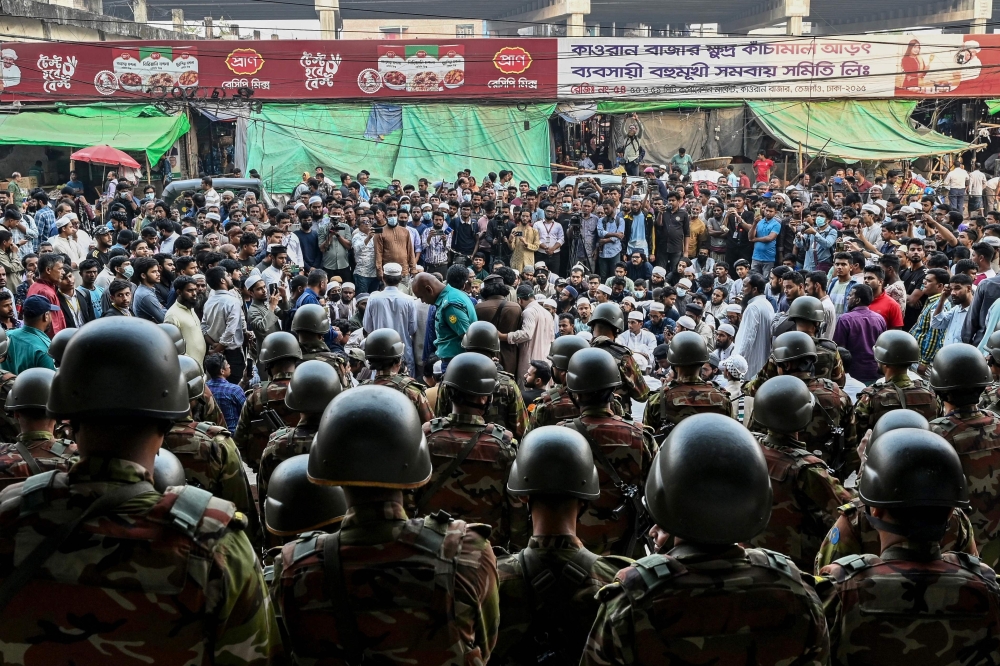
x,y
896,419
908,467
471,373
897,348
992,346
958,366
592,369
792,346
709,482
563,348
119,366
370,436
61,339
687,348
312,318
278,346
482,336
175,334
313,385
295,505
554,461
5,343
783,404
193,377
384,344
30,390
610,314
808,308
167,471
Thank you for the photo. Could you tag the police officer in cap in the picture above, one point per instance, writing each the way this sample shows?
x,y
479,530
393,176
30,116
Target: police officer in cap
x,y
991,394
422,590
507,408
912,603
548,590
103,527
384,353
555,404
606,322
706,599
36,449
311,325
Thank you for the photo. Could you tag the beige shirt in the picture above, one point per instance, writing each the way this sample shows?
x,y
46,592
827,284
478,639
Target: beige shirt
x,y
187,321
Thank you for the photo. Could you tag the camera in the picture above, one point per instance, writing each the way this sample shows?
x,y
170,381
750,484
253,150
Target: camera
x,y
575,221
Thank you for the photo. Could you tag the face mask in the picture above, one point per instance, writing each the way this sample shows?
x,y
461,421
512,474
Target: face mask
x,y
426,217
639,295
681,292
566,206
391,221
919,232
404,206
128,272
150,196
820,221
466,197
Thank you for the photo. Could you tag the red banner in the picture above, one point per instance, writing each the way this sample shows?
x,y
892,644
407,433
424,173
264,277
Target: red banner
x,y
289,70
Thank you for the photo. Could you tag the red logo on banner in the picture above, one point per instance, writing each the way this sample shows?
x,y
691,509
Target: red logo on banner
x,y
512,60
244,61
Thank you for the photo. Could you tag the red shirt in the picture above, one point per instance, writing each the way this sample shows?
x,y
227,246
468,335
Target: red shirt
x,y
761,168
889,309
48,292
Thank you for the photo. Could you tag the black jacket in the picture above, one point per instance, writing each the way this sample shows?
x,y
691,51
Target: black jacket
x,y
86,307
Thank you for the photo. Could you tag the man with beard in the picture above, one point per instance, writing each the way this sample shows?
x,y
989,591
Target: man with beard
x,y
263,314
724,338
182,315
312,256
566,300
537,377
959,292
583,311
344,307
504,315
167,275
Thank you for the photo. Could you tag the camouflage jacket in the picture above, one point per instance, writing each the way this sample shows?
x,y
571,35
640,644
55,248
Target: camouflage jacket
x,y
675,401
49,454
833,409
185,584
828,366
553,406
991,398
633,384
507,408
421,591
555,613
975,434
318,351
413,390
253,430
629,448
284,444
913,606
709,606
877,399
205,409
476,491
9,429
805,503
852,534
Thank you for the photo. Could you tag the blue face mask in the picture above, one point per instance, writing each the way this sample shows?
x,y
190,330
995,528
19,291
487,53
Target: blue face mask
x,y
404,207
426,217
391,221
127,272
820,221
466,197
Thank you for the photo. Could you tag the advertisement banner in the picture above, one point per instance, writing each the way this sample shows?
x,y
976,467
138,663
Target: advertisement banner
x,y
272,70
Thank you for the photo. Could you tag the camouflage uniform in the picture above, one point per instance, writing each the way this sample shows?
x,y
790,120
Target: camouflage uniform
x,y
9,429
553,406
991,398
831,403
975,434
805,501
695,606
633,385
828,365
629,448
318,351
477,490
877,399
252,430
422,591
852,534
412,389
559,618
675,401
160,579
48,452
285,443
507,408
204,408
912,606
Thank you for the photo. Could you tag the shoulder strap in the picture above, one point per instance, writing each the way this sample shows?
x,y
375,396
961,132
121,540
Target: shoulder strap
x,y
28,458
188,509
599,456
348,633
853,563
900,394
542,579
426,496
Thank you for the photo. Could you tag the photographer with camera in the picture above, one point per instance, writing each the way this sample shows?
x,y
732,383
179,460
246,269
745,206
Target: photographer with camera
x,y
522,241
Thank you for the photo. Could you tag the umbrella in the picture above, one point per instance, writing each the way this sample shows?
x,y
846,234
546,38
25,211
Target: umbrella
x,y
104,155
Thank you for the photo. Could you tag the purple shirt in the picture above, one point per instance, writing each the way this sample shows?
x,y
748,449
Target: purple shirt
x,y
857,331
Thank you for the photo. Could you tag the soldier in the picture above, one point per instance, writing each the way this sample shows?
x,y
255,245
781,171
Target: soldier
x,y
806,497
175,563
204,408
313,386
9,430
61,339
912,604
385,587
687,393
472,457
895,352
507,407
547,591
606,323
36,449
384,353
853,535
311,325
958,375
167,471
264,412
295,506
991,394
622,448
807,314
707,600
555,405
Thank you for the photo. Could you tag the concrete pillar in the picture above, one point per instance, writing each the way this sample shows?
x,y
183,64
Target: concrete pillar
x,y
982,12
794,26
235,29
139,12
575,26
256,34
330,22
178,19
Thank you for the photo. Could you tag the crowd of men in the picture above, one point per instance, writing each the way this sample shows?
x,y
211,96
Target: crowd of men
x,y
706,425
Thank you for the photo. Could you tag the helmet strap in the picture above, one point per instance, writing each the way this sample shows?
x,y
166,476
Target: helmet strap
x,y
928,533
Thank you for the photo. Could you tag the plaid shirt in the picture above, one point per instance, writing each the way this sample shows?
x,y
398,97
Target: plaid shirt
x,y
230,398
929,338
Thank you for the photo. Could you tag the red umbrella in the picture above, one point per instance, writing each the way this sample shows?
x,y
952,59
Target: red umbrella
x,y
104,155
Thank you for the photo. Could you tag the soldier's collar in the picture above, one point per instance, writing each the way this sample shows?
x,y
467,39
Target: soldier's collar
x,y
596,410
964,410
374,512
467,419
556,542
100,468
784,442
35,436
693,553
913,551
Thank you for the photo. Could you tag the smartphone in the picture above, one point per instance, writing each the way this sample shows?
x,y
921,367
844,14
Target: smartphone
x,y
294,270
272,288
376,230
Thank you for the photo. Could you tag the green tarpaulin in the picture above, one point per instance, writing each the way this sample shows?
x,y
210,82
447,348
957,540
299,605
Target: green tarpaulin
x,y
853,130
643,107
407,141
132,128
992,106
